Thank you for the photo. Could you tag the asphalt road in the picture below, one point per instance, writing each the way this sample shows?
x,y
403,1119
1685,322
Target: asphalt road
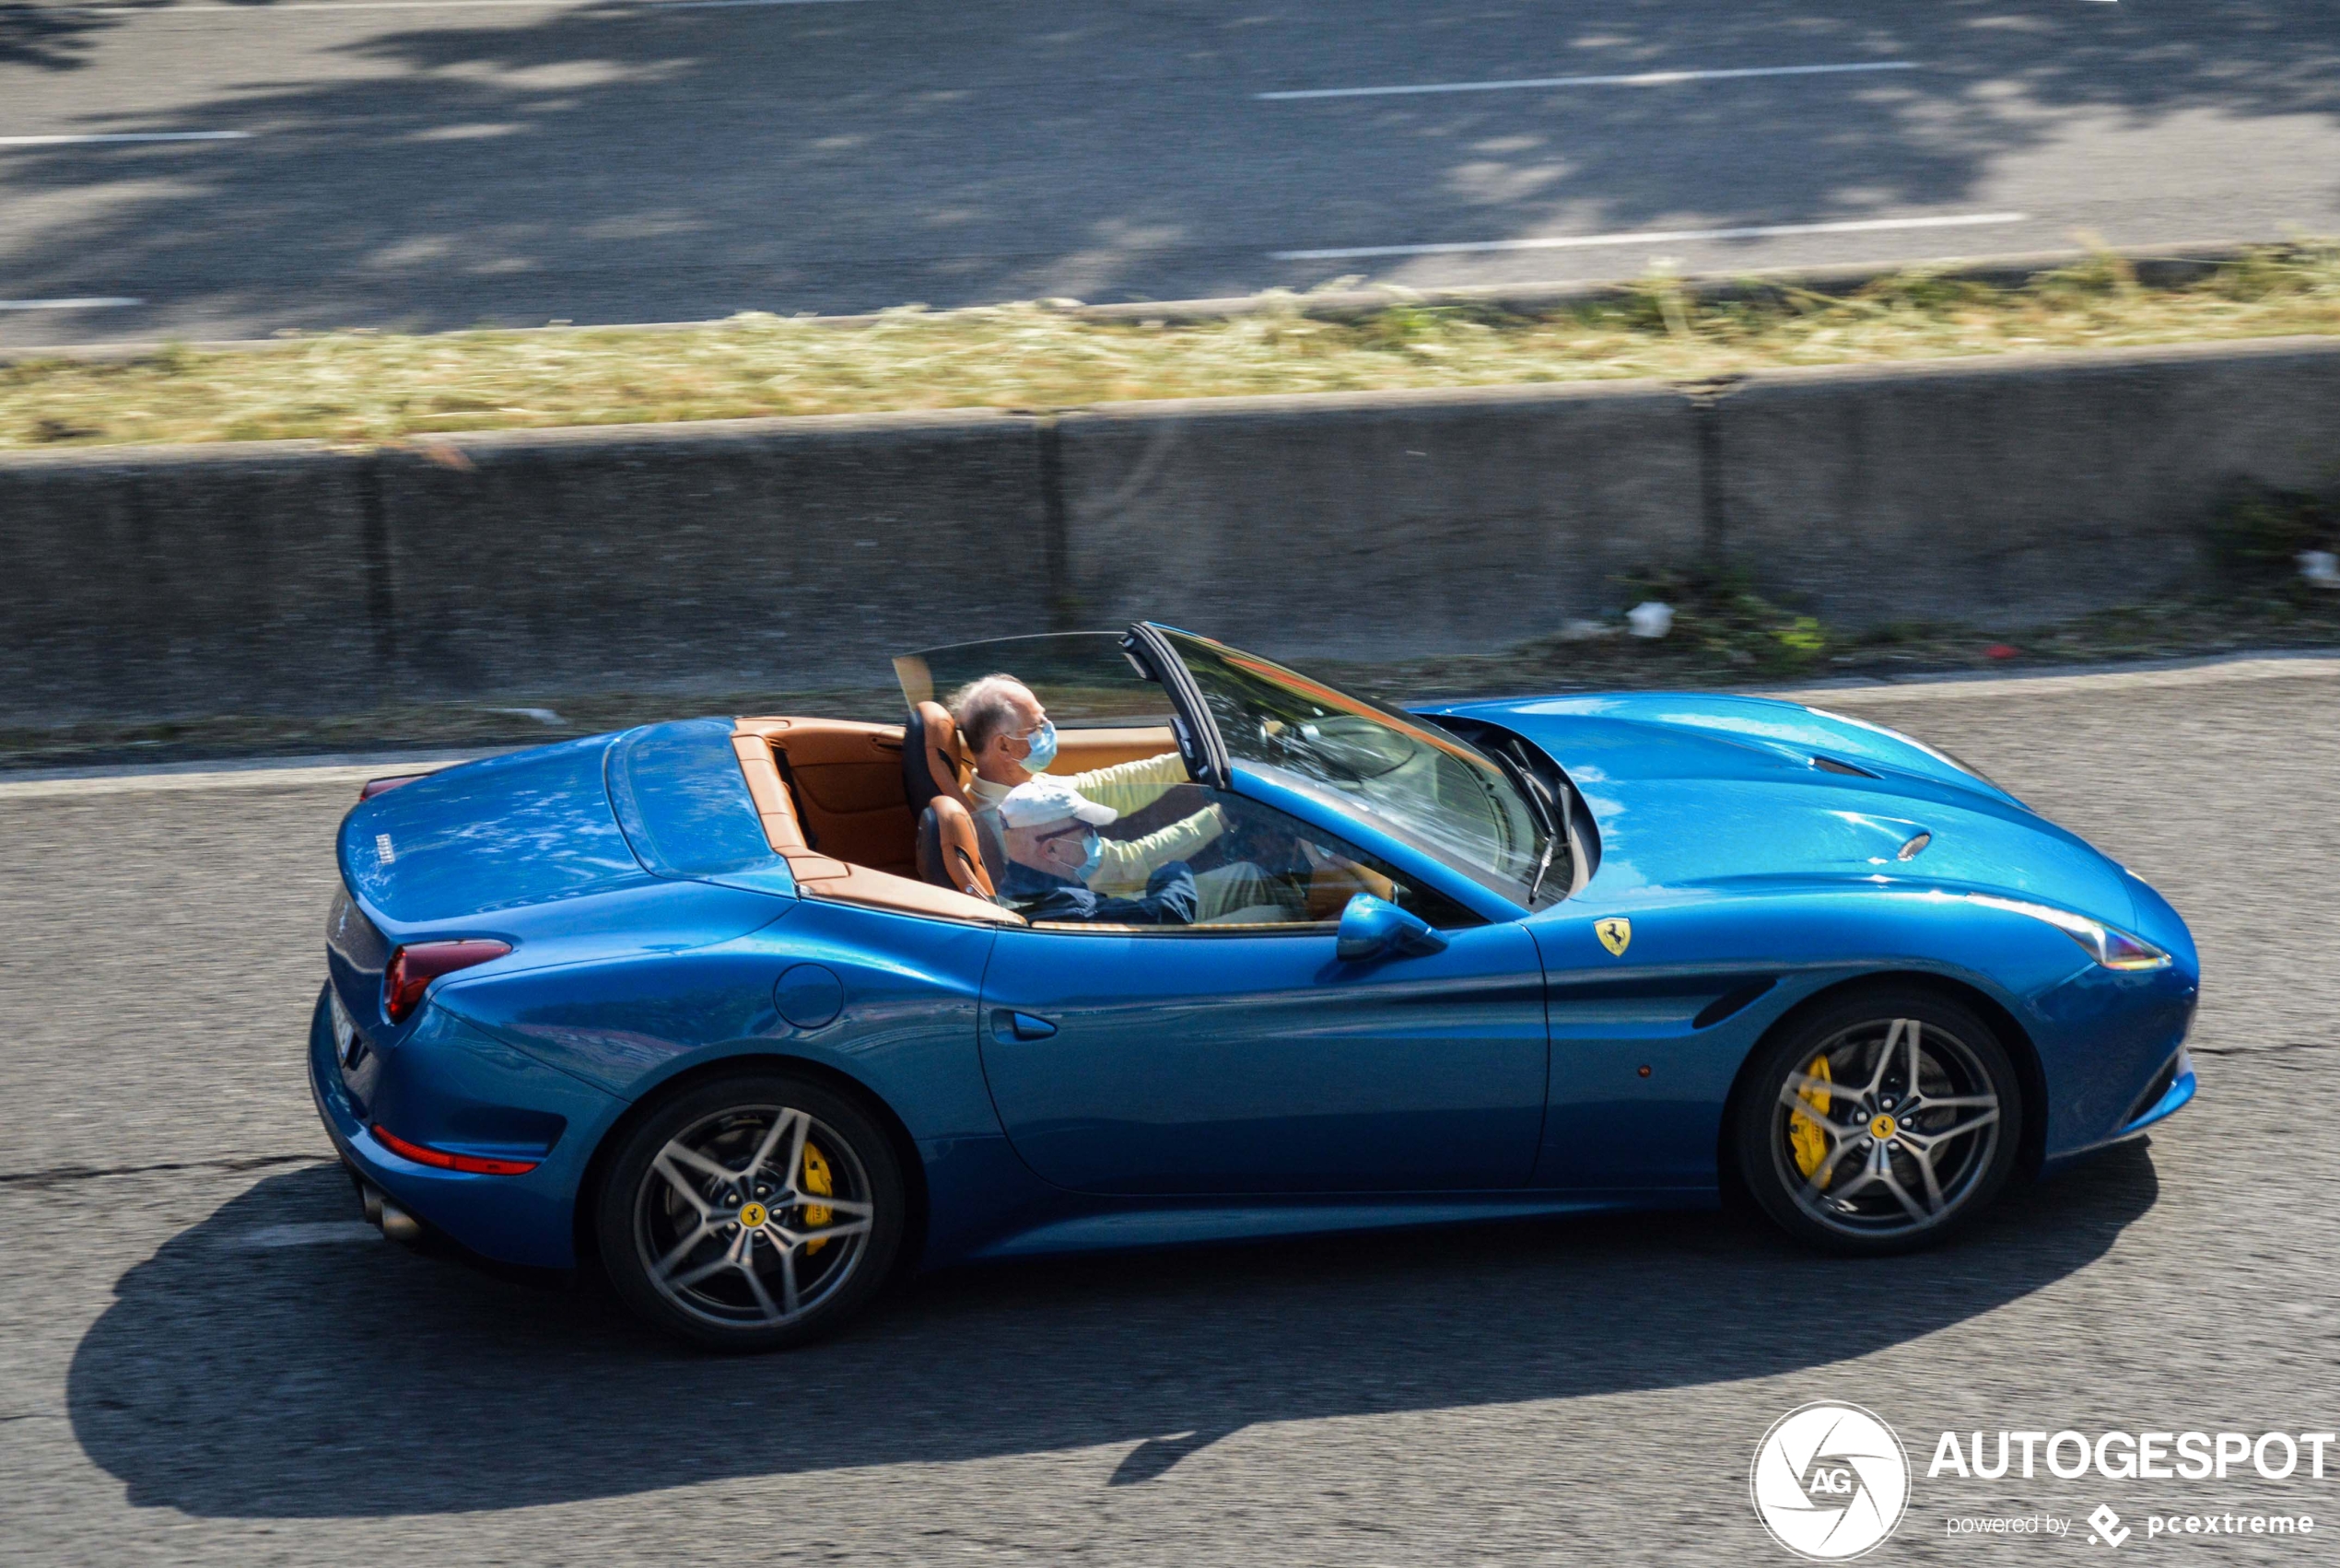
x,y
203,1359
437,163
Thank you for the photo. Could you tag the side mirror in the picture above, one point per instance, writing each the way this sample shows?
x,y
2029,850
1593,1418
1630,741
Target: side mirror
x,y
1374,929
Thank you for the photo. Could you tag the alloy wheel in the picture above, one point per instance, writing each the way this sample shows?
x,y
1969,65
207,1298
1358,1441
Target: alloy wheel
x,y
754,1217
1887,1128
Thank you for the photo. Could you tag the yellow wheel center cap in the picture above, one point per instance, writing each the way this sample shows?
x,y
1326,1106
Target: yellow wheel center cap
x,y
752,1215
1881,1126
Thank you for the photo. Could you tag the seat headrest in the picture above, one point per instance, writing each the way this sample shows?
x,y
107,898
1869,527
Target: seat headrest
x,y
950,855
930,757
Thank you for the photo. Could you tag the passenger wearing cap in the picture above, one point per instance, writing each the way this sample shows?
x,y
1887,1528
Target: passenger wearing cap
x,y
1053,846
1010,741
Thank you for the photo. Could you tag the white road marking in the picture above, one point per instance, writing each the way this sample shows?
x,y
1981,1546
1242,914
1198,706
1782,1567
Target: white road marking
x,y
311,1232
93,302
171,778
2013,683
605,7
1638,79
1652,237
175,776
63,141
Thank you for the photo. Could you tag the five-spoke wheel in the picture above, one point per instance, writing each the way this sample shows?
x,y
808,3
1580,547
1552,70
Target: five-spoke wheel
x,y
1881,1121
751,1212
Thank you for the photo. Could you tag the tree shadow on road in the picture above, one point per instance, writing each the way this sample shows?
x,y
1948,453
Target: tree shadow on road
x,y
626,161
233,1380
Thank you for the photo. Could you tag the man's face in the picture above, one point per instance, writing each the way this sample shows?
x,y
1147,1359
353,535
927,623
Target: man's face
x,y
1059,849
1001,758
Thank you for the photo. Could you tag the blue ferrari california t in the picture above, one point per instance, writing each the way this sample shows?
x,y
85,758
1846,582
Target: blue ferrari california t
x,y
754,1013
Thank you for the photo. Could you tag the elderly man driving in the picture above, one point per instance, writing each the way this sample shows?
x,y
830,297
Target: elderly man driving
x,y
1051,833
1009,735
1008,738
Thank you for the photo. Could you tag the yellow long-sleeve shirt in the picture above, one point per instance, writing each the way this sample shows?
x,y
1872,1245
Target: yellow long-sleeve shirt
x,y
1124,864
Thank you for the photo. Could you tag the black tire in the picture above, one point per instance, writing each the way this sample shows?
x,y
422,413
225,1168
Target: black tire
x,y
734,1260
1809,1154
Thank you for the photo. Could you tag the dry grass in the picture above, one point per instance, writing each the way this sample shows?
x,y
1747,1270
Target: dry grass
x,y
369,389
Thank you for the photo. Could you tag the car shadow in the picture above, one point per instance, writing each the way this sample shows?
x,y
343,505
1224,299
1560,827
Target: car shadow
x,y
235,1378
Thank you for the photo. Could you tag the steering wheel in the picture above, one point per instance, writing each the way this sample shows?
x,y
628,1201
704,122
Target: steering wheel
x,y
1268,845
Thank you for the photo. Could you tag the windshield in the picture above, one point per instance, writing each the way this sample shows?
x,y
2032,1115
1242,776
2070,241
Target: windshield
x,y
1081,678
1419,784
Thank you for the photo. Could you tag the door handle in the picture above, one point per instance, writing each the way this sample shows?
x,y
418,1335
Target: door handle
x,y
1010,1025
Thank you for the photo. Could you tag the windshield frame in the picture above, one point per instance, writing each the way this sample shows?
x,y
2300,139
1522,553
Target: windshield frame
x,y
1162,643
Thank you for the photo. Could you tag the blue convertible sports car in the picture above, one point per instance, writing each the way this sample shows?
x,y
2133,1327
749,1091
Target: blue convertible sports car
x,y
752,1014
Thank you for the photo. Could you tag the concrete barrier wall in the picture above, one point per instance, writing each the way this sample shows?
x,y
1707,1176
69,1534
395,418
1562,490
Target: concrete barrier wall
x,y
2014,490
796,553
283,577
1379,524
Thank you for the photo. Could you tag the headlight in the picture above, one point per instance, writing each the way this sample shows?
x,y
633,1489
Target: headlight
x,y
2113,949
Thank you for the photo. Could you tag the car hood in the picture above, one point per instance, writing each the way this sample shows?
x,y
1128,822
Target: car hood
x,y
1696,791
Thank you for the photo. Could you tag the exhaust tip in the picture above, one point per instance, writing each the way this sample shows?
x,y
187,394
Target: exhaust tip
x,y
399,1226
371,1196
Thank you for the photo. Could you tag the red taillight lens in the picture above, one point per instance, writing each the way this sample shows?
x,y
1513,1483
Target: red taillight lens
x,y
472,1163
373,787
414,967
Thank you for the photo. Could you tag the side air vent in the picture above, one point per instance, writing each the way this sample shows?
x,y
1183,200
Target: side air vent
x,y
1730,1002
1830,765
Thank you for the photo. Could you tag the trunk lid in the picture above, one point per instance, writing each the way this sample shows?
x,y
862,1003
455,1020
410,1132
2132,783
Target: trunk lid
x,y
491,835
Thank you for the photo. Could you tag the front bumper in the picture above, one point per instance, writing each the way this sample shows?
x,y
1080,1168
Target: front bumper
x,y
448,1077
2163,1106
2170,1101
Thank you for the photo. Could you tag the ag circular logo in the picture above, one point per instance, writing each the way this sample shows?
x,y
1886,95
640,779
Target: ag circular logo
x,y
1829,1481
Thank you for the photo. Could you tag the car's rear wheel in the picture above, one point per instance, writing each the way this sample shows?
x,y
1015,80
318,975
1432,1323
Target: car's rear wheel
x,y
1882,1121
751,1213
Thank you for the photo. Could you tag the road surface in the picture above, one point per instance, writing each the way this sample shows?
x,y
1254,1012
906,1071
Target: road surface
x,y
443,163
205,1358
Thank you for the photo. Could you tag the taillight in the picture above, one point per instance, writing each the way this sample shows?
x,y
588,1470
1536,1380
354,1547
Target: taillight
x,y
414,966
373,787
472,1163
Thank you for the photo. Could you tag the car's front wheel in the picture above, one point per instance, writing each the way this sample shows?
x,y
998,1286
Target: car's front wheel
x,y
751,1212
1882,1121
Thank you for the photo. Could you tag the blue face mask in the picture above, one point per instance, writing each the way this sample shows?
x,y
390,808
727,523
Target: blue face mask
x,y
1042,743
1089,862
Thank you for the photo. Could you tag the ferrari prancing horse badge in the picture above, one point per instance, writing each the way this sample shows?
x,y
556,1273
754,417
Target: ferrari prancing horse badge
x,y
1615,933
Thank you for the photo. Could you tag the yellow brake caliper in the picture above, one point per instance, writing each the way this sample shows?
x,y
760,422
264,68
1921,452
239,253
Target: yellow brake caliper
x,y
817,1180
1804,1134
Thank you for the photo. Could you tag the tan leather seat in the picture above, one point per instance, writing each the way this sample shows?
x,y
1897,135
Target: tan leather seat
x,y
931,757
950,855
932,773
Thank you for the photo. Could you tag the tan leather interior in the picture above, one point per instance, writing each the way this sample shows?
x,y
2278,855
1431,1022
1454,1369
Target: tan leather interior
x,y
943,762
949,853
843,781
1330,887
829,792
1077,751
1228,927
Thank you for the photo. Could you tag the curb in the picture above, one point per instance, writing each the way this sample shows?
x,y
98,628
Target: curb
x,y
2159,266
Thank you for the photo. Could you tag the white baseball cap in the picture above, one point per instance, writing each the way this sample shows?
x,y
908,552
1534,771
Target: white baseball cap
x,y
1043,801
